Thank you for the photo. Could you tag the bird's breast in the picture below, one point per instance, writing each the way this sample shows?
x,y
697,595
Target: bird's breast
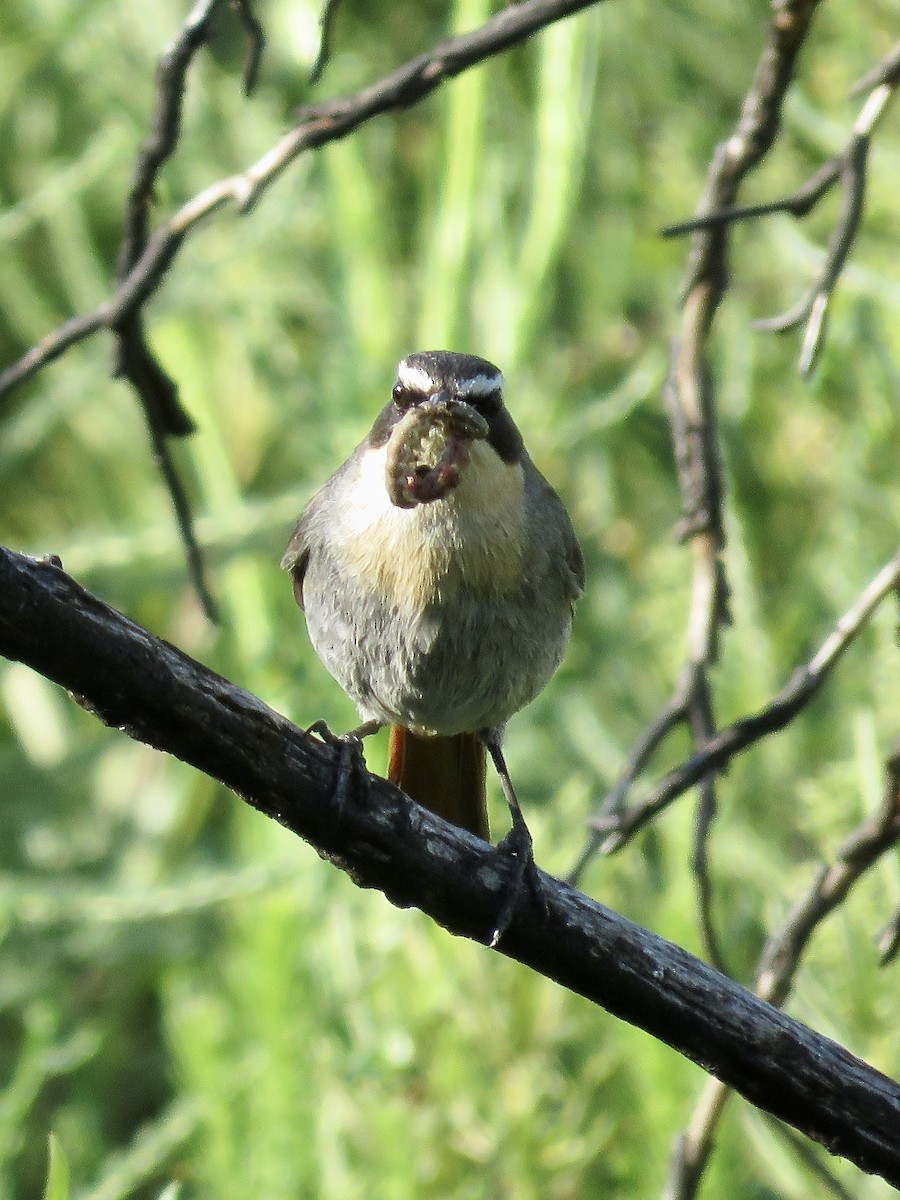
x,y
473,539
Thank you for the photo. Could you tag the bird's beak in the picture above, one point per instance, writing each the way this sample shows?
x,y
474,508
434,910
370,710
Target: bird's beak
x,y
429,447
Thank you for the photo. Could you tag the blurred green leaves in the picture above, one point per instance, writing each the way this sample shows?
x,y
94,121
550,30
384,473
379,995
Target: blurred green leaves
x,y
185,993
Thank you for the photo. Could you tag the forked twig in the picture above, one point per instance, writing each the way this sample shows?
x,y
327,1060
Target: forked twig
x,y
847,168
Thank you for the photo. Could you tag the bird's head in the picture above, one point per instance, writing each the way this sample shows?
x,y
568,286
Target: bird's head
x,y
441,406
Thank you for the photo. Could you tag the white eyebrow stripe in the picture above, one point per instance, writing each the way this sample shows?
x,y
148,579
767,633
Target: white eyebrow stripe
x,y
480,385
415,378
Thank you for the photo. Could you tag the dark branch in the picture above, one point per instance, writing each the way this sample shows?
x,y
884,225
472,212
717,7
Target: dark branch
x,y
811,1161
134,360
326,25
798,205
703,730
673,714
183,517
256,42
155,693
889,941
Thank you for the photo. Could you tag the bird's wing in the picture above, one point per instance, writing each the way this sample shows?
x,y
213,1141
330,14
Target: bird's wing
x,y
550,513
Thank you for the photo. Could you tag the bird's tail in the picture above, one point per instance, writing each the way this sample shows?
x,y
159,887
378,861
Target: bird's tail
x,y
444,774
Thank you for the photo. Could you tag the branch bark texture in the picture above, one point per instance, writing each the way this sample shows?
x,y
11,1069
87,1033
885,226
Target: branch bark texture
x,y
155,693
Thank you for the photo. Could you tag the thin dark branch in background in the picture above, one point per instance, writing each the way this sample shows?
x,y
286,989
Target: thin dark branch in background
x,y
780,959
856,854
691,408
615,830
887,71
162,455
798,205
674,714
256,43
810,1159
326,25
155,693
702,731
134,360
847,168
889,941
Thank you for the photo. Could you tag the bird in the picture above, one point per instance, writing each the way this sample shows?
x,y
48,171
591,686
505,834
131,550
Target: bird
x,y
437,570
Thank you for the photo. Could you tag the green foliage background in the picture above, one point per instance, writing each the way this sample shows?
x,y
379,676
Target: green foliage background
x,y
186,992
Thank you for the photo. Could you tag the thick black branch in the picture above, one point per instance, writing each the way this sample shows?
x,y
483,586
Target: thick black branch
x,y
157,694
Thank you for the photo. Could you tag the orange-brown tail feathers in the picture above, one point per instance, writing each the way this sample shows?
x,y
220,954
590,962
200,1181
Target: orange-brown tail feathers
x,y
444,774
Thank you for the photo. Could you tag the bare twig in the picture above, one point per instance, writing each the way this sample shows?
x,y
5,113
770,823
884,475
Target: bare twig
x,y
865,845
702,730
811,1160
780,959
326,25
316,126
690,404
847,168
134,359
146,687
887,71
889,941
256,42
184,519
804,684
798,205
674,713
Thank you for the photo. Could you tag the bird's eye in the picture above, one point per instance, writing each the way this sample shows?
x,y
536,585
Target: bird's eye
x,y
403,397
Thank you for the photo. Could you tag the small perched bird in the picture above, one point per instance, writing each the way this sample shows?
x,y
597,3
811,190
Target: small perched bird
x,y
437,570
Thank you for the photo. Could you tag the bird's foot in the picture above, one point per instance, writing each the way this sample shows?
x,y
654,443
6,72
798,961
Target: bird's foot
x,y
353,736
352,763
518,846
